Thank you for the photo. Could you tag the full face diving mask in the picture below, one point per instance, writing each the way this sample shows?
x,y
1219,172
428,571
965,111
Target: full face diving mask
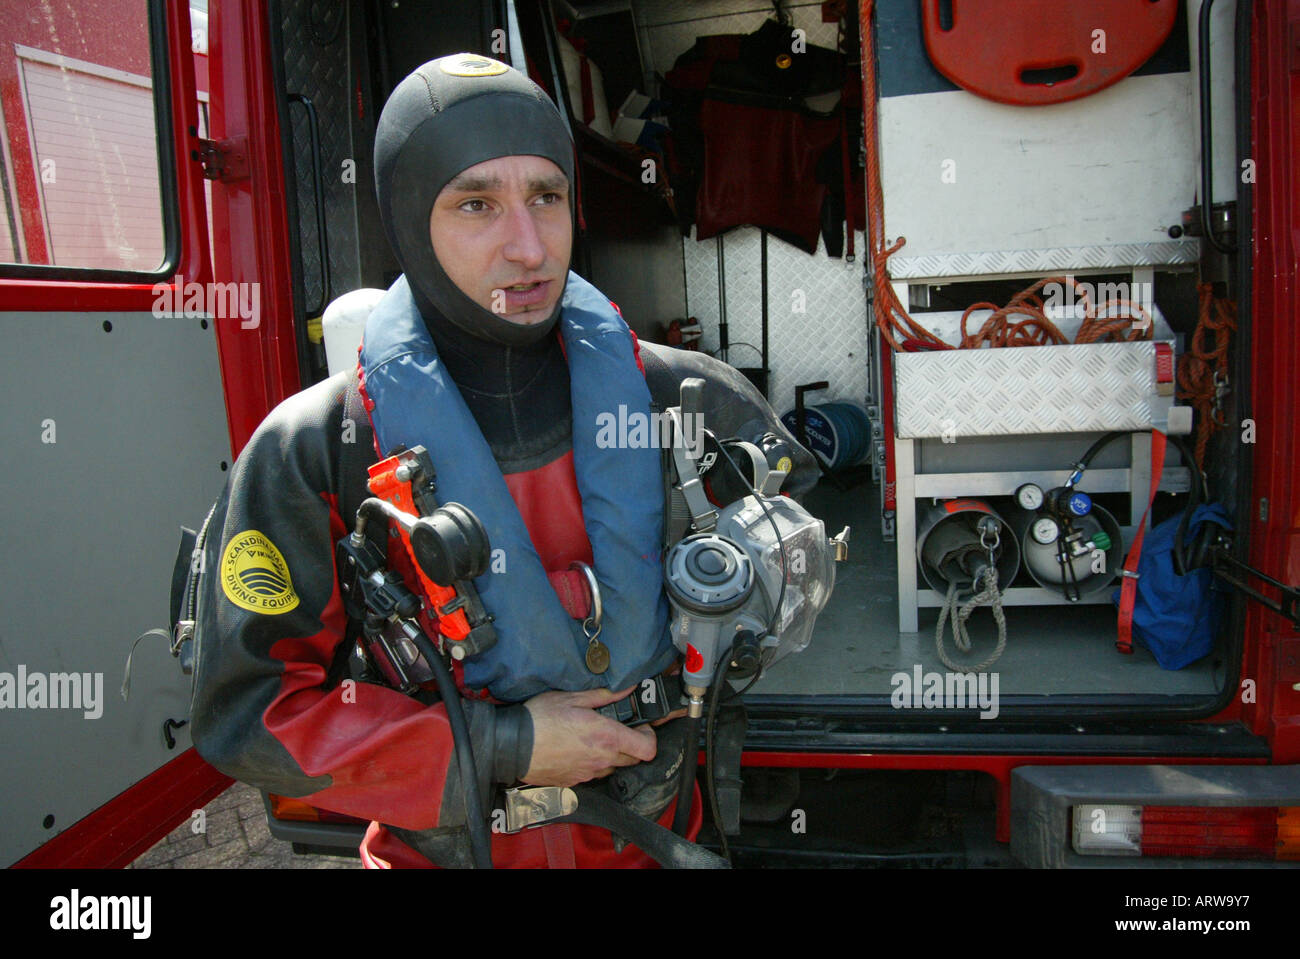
x,y
747,586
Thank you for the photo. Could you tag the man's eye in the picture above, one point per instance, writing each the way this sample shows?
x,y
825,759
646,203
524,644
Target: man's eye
x,y
549,198
474,206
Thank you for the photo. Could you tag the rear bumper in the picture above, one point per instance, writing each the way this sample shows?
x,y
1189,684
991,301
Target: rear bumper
x,y
1042,797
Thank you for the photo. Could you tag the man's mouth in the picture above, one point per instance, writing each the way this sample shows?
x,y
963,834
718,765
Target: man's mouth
x,y
520,297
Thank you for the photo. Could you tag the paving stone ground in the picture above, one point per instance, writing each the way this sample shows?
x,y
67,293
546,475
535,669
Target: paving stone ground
x,y
236,837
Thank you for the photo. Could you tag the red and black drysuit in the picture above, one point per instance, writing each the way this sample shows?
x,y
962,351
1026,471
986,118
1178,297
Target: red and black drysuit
x,y
269,707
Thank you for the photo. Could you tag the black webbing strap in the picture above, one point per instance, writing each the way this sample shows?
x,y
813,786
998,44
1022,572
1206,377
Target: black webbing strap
x,y
357,439
662,845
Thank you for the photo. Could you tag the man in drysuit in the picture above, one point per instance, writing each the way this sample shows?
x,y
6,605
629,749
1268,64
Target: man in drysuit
x,y
489,353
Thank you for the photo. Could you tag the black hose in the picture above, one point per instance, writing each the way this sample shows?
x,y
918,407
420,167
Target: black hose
x,y
1207,125
1198,495
1095,448
475,818
686,776
710,727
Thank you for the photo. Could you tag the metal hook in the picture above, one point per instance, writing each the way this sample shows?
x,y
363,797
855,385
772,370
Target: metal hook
x,y
168,726
591,625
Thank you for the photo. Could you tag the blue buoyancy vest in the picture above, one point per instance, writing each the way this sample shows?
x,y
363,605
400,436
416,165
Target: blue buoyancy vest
x,y
540,647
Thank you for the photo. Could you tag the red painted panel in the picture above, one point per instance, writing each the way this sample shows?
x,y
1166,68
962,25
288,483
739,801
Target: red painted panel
x,y
250,223
1275,139
123,829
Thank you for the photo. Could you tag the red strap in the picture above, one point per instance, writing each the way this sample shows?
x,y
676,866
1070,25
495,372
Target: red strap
x,y
559,846
1128,591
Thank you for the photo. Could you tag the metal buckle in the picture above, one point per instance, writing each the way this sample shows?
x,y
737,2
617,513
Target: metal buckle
x,y
182,633
633,710
528,806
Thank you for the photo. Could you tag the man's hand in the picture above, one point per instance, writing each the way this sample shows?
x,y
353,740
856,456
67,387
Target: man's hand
x,y
572,743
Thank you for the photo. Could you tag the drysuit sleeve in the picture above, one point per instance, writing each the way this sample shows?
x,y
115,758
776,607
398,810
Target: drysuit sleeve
x,y
271,623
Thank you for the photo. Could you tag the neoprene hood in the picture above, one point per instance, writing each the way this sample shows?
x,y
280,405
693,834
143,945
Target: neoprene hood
x,y
448,115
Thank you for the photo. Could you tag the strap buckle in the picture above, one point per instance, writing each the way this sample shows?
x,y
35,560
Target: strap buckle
x,y
704,518
643,705
529,806
182,633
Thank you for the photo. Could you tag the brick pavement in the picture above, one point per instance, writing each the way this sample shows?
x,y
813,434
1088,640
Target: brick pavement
x,y
236,837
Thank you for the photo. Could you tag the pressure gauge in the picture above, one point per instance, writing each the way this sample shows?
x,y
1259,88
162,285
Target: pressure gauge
x,y
1045,530
1030,496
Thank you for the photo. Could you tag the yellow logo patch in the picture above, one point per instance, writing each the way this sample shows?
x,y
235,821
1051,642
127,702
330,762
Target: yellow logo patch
x,y
785,464
472,66
255,577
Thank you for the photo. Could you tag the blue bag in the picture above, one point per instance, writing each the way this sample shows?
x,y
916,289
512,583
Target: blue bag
x,y
1176,617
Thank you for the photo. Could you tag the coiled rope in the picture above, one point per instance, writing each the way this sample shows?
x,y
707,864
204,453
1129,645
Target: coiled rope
x,y
901,331
961,612
1204,367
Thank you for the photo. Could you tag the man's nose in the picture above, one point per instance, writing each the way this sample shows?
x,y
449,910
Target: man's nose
x,y
524,242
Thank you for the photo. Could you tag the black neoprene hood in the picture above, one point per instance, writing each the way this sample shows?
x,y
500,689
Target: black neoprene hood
x,y
448,115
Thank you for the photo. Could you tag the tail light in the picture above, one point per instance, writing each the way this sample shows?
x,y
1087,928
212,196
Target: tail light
x,y
1214,832
295,810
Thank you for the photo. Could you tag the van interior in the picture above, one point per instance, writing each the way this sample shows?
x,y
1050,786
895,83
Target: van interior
x,y
772,271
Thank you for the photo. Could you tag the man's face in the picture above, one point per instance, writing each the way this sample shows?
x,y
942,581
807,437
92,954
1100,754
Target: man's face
x,y
502,232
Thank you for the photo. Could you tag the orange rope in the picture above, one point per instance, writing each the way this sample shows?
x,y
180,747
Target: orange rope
x,y
1206,356
889,311
998,330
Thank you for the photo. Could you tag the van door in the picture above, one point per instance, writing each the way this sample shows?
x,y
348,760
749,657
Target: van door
x,y
115,433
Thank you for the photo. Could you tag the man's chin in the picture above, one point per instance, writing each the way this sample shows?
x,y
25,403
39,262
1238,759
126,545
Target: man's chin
x,y
530,315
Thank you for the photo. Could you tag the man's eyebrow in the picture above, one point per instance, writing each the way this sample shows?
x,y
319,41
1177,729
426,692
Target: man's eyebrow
x,y
473,183
476,183
548,183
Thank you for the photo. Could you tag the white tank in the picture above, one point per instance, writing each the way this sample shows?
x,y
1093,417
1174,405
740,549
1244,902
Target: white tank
x,y
342,326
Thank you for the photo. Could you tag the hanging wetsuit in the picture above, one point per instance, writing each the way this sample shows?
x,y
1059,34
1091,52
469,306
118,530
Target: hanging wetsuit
x,y
750,151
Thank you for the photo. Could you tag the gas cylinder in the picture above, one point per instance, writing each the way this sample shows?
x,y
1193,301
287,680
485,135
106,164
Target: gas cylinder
x,y
954,539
